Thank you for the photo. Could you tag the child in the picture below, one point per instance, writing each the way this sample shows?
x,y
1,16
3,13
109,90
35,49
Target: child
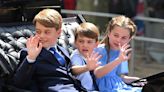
x,y
41,61
115,51
86,39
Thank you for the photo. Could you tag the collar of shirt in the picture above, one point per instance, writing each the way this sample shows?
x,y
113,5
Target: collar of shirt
x,y
56,50
55,46
77,52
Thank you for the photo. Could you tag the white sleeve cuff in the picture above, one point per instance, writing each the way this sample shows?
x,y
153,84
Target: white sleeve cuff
x,y
30,60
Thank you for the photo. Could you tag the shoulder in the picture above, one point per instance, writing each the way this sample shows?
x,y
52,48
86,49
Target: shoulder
x,y
76,58
64,50
75,53
22,52
100,48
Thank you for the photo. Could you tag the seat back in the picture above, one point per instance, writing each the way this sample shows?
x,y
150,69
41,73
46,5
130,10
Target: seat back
x,y
11,42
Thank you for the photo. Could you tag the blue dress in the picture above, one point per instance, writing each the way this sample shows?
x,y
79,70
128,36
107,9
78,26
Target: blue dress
x,y
112,82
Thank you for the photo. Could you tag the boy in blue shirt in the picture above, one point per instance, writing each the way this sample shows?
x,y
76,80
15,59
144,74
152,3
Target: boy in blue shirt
x,y
86,39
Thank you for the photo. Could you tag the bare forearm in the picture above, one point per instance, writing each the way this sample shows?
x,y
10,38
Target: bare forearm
x,y
79,69
103,70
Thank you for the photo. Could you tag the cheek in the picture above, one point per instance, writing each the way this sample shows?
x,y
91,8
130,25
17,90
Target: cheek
x,y
51,39
77,45
124,42
91,47
52,36
111,40
94,46
111,37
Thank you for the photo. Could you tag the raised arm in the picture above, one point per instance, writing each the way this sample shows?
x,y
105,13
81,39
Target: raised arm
x,y
123,56
27,58
91,64
34,47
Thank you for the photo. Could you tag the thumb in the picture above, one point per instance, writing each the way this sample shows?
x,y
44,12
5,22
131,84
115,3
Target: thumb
x,y
40,46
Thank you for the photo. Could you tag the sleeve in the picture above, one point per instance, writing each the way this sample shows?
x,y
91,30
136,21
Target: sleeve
x,y
76,60
102,52
24,72
123,68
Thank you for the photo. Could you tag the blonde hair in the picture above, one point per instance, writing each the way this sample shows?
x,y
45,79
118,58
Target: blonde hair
x,y
49,18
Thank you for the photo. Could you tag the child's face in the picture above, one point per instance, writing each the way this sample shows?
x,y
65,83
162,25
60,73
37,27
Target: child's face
x,y
48,36
118,35
85,45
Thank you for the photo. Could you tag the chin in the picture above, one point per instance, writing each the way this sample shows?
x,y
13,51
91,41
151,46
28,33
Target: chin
x,y
45,46
115,48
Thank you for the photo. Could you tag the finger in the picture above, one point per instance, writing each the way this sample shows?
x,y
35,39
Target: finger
x,y
129,55
95,54
98,63
127,47
127,42
120,47
36,40
28,42
88,56
98,57
30,39
40,46
91,55
128,50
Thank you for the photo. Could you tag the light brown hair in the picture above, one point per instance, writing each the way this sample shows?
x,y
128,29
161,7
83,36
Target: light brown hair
x,y
87,29
49,18
120,21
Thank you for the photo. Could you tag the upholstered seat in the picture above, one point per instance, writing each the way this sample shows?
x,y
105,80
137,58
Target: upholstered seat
x,y
12,42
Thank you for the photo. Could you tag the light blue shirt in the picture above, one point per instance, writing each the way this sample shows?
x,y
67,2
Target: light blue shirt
x,y
85,78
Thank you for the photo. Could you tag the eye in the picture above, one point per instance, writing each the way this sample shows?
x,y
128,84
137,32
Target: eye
x,y
115,35
81,41
38,32
124,38
47,32
90,42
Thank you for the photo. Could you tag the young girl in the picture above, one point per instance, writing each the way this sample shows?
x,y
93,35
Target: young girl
x,y
83,59
115,51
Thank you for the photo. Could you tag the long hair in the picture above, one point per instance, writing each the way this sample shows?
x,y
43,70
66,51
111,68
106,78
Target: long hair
x,y
120,21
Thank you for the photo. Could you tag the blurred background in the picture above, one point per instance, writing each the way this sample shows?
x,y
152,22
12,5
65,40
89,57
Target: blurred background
x,y
148,45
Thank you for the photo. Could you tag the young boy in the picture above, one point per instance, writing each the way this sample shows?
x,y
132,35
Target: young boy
x,y
40,63
86,39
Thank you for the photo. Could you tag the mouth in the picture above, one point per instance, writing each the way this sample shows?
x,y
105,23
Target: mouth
x,y
116,44
85,50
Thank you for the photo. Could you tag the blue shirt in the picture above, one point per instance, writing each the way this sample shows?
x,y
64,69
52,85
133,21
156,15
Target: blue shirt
x,y
85,78
112,82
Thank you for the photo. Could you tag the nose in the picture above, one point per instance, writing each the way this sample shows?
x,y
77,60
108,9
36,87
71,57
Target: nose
x,y
41,35
85,44
118,40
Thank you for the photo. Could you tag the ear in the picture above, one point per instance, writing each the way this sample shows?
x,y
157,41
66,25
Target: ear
x,y
97,43
59,31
